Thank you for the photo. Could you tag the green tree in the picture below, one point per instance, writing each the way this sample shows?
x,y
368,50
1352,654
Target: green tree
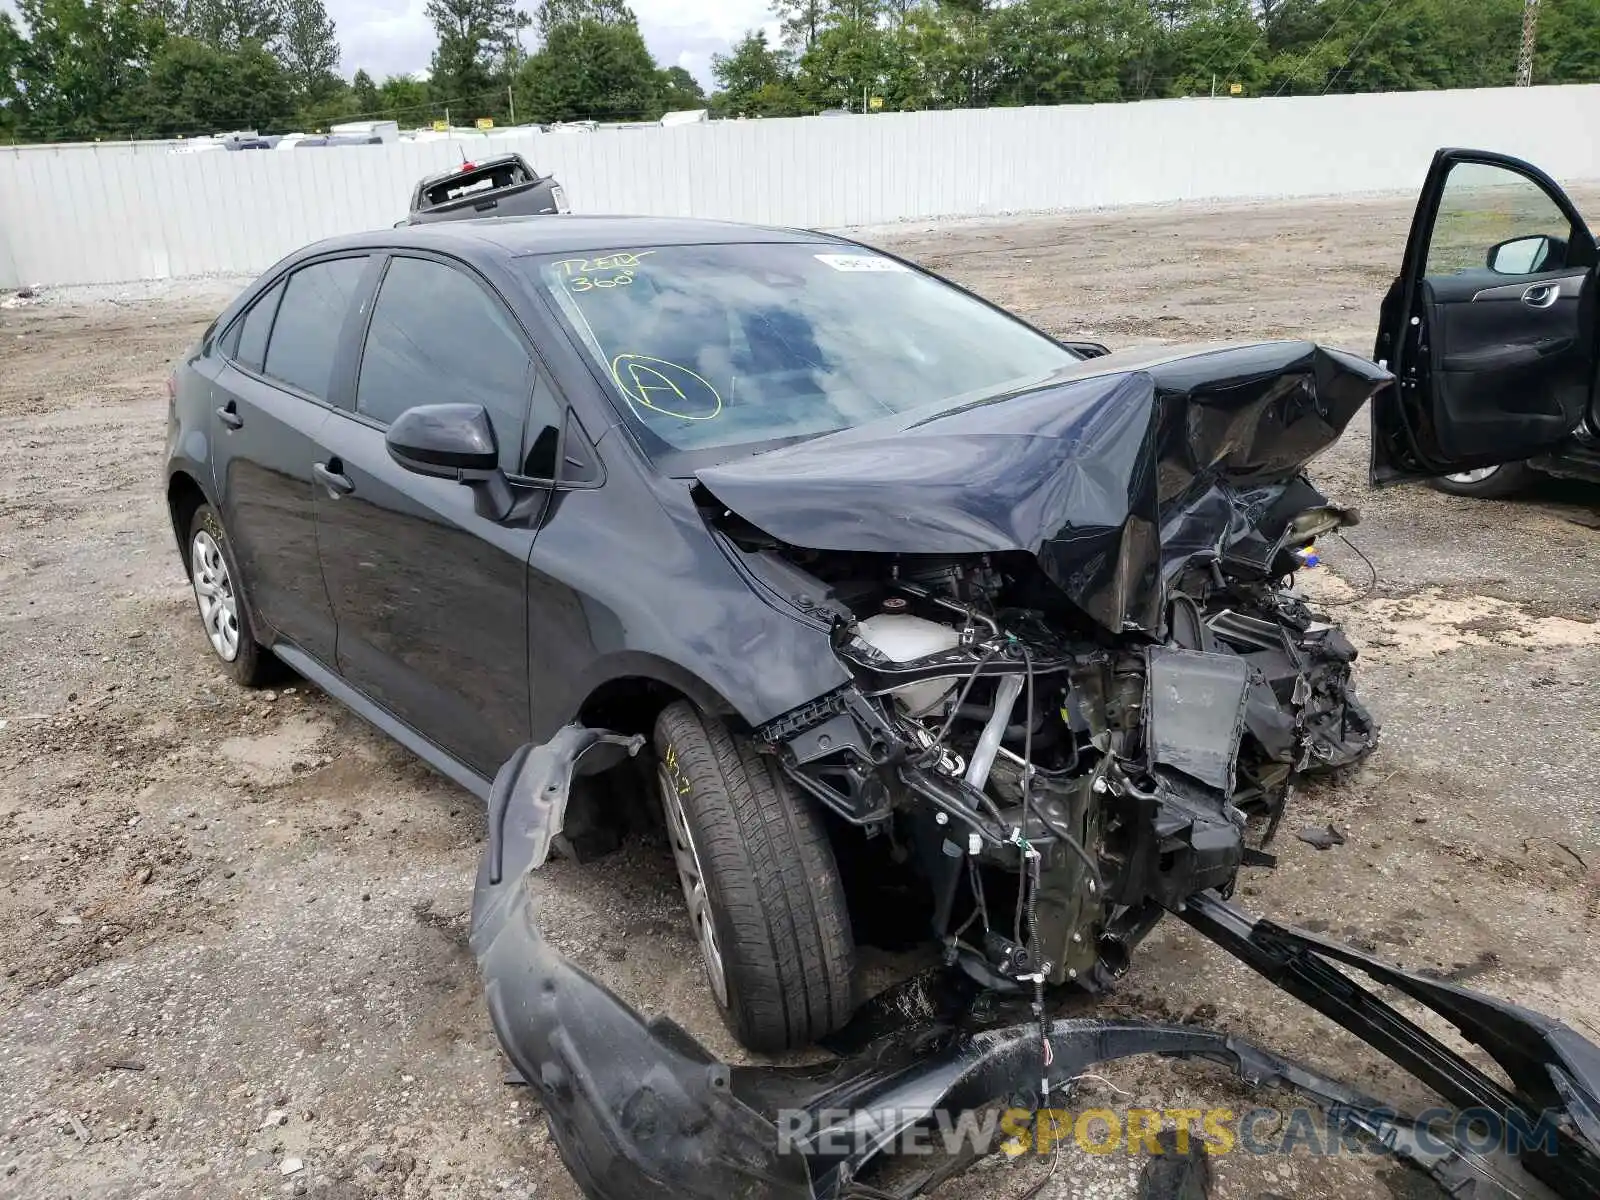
x,y
591,70
226,23
194,88
476,38
12,47
941,58
407,100
80,66
364,93
679,90
308,47
552,14
801,21
1569,43
755,80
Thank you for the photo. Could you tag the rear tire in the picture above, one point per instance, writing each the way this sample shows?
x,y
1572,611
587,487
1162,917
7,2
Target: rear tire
x,y
224,608
1504,480
769,905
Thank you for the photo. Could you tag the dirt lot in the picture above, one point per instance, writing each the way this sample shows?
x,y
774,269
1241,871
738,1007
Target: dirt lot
x,y
232,924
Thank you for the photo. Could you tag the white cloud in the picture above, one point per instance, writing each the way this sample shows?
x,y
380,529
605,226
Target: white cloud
x,y
393,37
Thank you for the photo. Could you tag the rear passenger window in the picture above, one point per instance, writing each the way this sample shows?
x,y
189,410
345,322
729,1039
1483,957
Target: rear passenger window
x,y
437,337
250,341
305,336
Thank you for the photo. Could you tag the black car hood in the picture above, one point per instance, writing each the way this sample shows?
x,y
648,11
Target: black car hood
x,y
1102,474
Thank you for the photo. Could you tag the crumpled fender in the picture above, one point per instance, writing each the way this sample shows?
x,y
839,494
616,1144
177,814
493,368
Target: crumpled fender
x,y
638,1109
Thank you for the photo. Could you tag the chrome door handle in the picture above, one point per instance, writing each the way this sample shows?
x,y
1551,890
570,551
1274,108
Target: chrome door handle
x,y
1541,295
229,415
334,479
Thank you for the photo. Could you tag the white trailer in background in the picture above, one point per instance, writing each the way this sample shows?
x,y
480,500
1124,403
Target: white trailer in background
x,y
389,131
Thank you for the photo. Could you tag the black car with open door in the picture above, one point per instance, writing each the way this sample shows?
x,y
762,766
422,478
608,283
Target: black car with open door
x,y
1490,330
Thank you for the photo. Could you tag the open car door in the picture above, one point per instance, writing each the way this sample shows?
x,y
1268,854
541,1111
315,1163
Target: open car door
x,y
1491,328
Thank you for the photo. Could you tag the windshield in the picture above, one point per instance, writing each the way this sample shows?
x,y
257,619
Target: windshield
x,y
720,350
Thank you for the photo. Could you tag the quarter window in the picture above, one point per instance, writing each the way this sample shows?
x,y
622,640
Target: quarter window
x,y
305,336
253,330
438,338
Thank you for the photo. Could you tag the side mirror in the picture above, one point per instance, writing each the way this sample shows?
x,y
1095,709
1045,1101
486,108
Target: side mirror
x,y
1527,255
453,441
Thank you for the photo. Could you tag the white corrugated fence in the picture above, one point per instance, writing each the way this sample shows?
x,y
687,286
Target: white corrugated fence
x,y
88,214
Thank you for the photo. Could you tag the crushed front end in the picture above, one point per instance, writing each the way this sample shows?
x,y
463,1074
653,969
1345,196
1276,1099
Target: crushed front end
x,y
1078,659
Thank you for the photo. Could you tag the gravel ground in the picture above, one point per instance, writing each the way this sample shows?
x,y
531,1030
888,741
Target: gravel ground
x,y
232,924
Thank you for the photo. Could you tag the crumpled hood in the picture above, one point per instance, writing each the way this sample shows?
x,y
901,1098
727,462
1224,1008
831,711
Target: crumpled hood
x,y
1084,472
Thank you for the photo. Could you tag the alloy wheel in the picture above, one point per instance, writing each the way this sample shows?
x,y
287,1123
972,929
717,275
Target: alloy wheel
x,y
1477,476
693,880
213,590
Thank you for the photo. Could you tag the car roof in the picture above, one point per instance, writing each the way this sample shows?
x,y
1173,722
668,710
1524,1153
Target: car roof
x,y
515,237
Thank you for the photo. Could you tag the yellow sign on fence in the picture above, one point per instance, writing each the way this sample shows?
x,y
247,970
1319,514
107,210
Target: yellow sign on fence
x,y
875,103
441,126
484,122
1236,89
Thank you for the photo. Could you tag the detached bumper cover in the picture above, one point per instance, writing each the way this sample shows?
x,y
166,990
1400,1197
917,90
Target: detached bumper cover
x,y
638,1109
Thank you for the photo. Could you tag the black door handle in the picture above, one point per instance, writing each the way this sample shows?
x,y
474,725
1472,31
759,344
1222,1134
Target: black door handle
x,y
333,477
229,413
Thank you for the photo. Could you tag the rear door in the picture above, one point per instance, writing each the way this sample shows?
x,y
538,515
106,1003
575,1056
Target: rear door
x,y
1490,328
271,402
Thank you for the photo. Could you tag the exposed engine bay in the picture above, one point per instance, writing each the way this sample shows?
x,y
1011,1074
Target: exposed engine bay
x,y
1077,660
992,731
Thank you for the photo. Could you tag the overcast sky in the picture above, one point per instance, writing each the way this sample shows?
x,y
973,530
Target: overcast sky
x,y
393,37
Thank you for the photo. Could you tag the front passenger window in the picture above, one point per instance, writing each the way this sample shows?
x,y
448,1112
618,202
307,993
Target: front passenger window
x,y
437,337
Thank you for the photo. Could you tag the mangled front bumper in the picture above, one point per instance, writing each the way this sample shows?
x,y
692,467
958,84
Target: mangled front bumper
x,y
638,1109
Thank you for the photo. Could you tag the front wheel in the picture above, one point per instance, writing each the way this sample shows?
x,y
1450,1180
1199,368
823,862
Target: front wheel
x,y
1486,483
759,876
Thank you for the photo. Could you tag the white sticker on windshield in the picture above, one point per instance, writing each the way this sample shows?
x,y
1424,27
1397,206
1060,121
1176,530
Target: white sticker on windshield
x,y
860,262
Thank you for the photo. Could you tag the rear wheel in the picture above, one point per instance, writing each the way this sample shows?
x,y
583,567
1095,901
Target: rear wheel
x,y
1486,483
219,595
761,883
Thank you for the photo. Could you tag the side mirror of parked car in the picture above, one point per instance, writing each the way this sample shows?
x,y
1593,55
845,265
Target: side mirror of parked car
x,y
453,441
1527,255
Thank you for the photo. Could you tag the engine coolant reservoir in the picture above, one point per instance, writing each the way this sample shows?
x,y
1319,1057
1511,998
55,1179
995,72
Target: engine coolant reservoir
x,y
904,638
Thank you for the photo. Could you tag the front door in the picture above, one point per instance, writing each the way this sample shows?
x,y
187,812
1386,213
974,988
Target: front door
x,y
1491,327
431,597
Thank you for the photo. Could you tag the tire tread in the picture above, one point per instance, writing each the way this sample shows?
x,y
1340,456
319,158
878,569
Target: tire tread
x,y
770,873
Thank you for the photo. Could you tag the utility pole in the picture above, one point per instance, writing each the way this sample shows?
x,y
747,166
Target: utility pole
x,y
1530,37
511,101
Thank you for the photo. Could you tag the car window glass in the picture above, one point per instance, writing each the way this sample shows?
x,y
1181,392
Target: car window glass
x,y
1491,218
305,336
714,350
437,337
250,338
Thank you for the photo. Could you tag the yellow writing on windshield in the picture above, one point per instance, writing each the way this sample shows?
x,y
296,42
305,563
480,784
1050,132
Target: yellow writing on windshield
x,y
664,387
600,271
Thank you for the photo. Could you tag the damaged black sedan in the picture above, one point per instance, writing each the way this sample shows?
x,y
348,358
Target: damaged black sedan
x,y
921,610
